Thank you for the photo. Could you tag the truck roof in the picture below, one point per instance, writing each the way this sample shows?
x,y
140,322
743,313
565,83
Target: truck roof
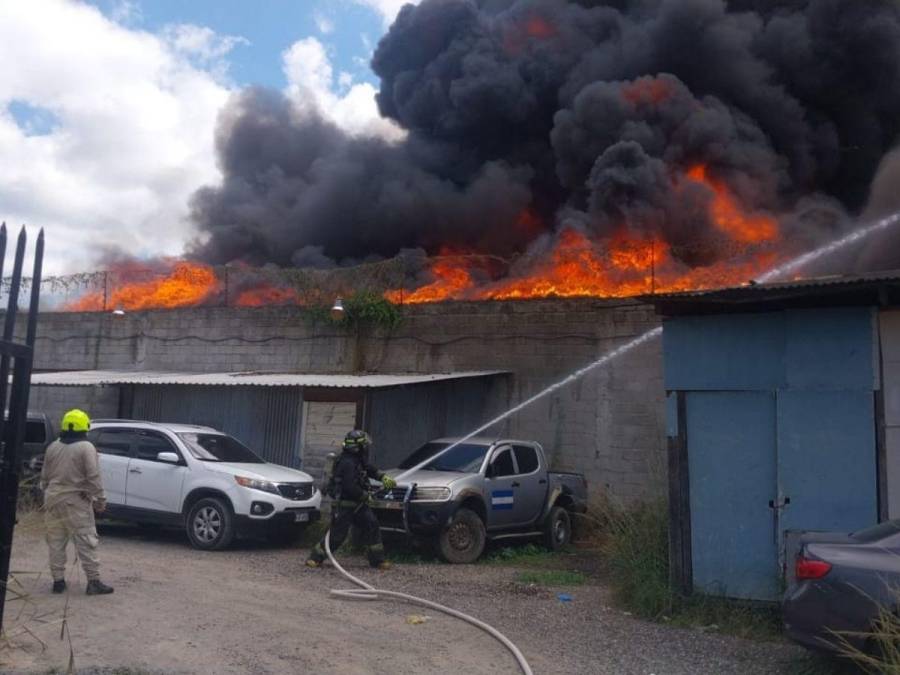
x,y
482,440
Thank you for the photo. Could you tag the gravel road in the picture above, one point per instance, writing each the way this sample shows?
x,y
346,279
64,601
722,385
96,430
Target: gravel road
x,y
256,609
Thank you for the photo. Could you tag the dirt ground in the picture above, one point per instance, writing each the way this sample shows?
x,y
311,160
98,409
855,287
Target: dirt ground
x,y
257,609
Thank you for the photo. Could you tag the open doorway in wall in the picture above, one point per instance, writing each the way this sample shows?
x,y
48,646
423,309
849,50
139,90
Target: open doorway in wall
x,y
325,423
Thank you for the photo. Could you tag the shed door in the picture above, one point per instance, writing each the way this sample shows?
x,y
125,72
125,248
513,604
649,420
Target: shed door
x,y
731,469
324,428
826,460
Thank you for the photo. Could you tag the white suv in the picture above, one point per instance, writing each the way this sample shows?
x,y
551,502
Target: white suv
x,y
200,479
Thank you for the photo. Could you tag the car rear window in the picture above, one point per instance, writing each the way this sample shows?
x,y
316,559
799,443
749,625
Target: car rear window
x,y
112,441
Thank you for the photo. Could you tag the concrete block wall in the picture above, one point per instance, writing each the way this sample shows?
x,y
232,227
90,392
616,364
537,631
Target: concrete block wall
x,y
609,425
55,401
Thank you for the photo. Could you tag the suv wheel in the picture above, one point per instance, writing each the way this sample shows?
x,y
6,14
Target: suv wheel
x,y
463,538
557,529
210,525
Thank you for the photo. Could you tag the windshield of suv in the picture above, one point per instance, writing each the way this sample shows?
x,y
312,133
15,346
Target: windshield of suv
x,y
219,448
463,458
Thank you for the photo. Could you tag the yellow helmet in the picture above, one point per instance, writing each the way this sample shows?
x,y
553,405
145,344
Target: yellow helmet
x,y
75,420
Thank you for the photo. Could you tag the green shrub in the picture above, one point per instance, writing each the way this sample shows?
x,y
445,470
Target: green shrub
x,y
883,645
367,308
636,549
518,554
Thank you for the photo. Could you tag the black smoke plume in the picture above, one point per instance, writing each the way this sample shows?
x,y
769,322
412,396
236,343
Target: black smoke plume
x,y
544,107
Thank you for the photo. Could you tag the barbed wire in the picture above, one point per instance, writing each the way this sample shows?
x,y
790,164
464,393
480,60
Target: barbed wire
x,y
649,265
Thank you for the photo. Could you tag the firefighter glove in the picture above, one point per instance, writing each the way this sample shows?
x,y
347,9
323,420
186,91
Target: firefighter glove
x,y
388,482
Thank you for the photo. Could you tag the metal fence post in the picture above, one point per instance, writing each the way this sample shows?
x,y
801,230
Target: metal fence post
x,y
12,427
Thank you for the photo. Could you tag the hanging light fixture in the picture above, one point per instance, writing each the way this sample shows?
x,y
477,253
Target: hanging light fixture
x,y
337,310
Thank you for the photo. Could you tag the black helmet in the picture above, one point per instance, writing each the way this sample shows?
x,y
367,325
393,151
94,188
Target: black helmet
x,y
357,441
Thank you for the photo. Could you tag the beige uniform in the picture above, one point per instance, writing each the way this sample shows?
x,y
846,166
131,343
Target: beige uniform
x,y
71,483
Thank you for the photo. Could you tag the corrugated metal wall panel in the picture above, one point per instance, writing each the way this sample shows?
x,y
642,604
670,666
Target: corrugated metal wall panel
x,y
326,424
267,419
402,418
821,349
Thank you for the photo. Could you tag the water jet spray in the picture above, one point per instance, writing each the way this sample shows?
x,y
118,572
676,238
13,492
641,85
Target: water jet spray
x,y
367,592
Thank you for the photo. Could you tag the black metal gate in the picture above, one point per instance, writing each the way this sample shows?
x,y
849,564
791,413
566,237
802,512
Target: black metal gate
x,y
18,358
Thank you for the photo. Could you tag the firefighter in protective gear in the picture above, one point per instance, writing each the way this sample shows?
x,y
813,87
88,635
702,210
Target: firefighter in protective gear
x,y
350,505
73,490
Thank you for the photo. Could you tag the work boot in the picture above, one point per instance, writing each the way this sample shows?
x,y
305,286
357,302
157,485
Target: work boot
x,y
59,585
97,587
313,563
384,566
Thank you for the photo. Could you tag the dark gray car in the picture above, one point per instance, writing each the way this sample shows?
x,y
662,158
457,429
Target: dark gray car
x,y
843,582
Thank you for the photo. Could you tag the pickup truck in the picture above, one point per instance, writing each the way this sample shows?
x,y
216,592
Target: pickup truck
x,y
461,494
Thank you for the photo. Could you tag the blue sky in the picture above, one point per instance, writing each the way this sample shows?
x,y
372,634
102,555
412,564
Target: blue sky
x,y
108,119
270,27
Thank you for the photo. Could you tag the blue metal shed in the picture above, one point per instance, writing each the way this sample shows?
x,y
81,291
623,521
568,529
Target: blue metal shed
x,y
775,423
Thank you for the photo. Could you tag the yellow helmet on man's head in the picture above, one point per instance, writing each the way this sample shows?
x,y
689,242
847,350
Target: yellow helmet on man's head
x,y
75,420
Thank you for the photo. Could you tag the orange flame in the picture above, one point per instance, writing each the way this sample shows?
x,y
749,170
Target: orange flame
x,y
188,284
517,35
267,295
539,27
576,268
727,215
626,264
452,281
647,90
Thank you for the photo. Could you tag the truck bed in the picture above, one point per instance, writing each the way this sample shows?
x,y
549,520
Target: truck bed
x,y
573,484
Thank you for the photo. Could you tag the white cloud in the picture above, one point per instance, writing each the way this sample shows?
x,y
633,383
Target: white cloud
x,y
311,86
345,80
388,9
126,12
203,46
325,24
134,115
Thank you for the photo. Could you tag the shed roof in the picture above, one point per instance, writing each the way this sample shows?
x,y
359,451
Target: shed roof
x,y
873,288
80,378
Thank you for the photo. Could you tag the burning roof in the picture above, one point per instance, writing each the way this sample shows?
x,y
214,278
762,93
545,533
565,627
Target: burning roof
x,y
563,148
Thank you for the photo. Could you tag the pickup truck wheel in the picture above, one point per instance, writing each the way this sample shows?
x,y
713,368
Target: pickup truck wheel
x,y
210,525
558,529
463,538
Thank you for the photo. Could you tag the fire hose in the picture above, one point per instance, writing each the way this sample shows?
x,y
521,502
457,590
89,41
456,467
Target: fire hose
x,y
368,592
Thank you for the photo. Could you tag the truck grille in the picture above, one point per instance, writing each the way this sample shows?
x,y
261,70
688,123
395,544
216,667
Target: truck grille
x,y
397,494
297,492
420,494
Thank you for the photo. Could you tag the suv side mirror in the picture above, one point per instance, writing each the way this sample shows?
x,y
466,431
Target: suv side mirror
x,y
168,457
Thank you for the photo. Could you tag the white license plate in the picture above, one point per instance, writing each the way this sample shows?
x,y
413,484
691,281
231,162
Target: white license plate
x,y
397,506
301,517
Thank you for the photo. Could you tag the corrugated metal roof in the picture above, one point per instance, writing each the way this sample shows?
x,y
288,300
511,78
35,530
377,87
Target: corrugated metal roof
x,y
80,378
812,283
